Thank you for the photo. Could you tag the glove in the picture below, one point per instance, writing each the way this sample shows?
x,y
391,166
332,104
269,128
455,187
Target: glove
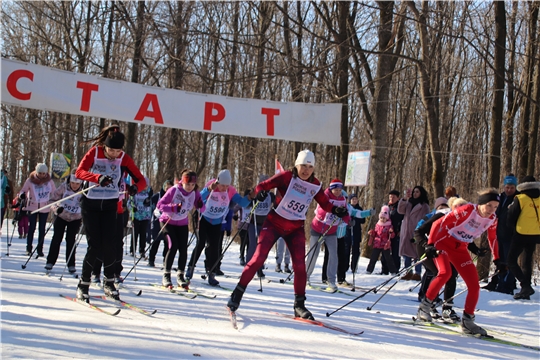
x,y
262,195
501,266
372,212
476,250
200,203
412,240
13,222
59,210
7,190
146,202
235,217
431,252
178,207
134,208
105,180
132,190
22,196
339,211
228,233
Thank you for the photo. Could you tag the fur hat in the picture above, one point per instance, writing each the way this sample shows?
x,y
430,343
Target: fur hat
x,y
224,177
305,157
528,183
42,168
385,212
336,183
440,201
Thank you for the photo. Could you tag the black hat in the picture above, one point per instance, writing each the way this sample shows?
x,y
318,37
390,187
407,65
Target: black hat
x,y
353,195
115,140
394,192
528,178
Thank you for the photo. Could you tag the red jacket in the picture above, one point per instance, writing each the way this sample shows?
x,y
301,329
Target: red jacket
x,y
127,165
281,182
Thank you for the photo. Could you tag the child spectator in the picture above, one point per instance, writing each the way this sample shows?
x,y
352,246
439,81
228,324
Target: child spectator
x,y
380,239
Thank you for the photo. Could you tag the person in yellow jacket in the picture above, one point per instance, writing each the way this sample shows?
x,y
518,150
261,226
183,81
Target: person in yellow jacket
x,y
524,217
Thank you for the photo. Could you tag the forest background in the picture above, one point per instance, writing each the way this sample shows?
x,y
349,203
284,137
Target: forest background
x,y
442,93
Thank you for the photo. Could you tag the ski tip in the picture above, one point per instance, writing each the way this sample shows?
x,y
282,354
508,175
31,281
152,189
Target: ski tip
x,y
139,293
116,312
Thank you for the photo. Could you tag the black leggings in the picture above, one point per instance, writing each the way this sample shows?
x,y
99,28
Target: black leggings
x,y
209,238
519,245
70,228
177,238
139,231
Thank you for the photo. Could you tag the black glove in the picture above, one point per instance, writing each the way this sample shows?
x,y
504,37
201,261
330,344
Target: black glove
x,y
228,233
22,196
13,222
105,180
476,250
501,266
146,202
132,190
340,211
200,203
412,240
262,195
134,208
8,190
235,217
59,210
178,207
431,252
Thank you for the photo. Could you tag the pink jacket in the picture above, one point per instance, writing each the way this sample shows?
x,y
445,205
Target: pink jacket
x,y
381,235
28,188
318,223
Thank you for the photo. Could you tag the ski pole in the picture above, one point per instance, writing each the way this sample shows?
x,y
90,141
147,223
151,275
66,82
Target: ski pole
x,y
79,235
9,241
257,237
376,288
231,241
447,301
49,228
415,286
380,297
310,250
149,246
64,199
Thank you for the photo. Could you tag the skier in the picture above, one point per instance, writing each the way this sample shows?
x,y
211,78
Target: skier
x,y
68,220
142,212
175,206
449,239
323,229
38,188
104,164
217,195
299,187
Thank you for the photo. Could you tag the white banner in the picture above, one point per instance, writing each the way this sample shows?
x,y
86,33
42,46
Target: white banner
x,y
43,88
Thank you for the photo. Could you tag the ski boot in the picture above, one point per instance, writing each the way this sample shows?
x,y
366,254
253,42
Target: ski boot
x,y
242,261
166,282
278,268
151,263
287,269
332,287
469,327
424,310
212,279
449,315
82,291
109,289
234,301
300,308
260,274
95,280
181,280
48,267
72,270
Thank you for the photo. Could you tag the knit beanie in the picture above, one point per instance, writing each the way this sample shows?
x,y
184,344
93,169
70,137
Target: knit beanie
x,y
42,168
440,201
224,177
305,157
510,180
336,183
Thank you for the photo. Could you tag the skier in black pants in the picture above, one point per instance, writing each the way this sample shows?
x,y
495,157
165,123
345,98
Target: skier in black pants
x,y
104,165
157,235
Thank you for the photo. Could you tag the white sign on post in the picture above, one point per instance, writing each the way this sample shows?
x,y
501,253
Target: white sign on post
x,y
358,164
43,88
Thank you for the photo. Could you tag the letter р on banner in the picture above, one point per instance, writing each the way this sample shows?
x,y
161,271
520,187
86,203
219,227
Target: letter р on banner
x,y
60,165
358,164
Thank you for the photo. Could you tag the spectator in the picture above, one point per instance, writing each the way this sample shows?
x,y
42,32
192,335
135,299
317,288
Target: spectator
x,y
396,218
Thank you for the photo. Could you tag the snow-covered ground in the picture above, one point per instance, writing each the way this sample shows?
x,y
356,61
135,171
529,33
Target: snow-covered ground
x,y
37,323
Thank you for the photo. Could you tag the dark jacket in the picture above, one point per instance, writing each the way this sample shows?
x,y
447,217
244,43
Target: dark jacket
x,y
395,217
504,232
